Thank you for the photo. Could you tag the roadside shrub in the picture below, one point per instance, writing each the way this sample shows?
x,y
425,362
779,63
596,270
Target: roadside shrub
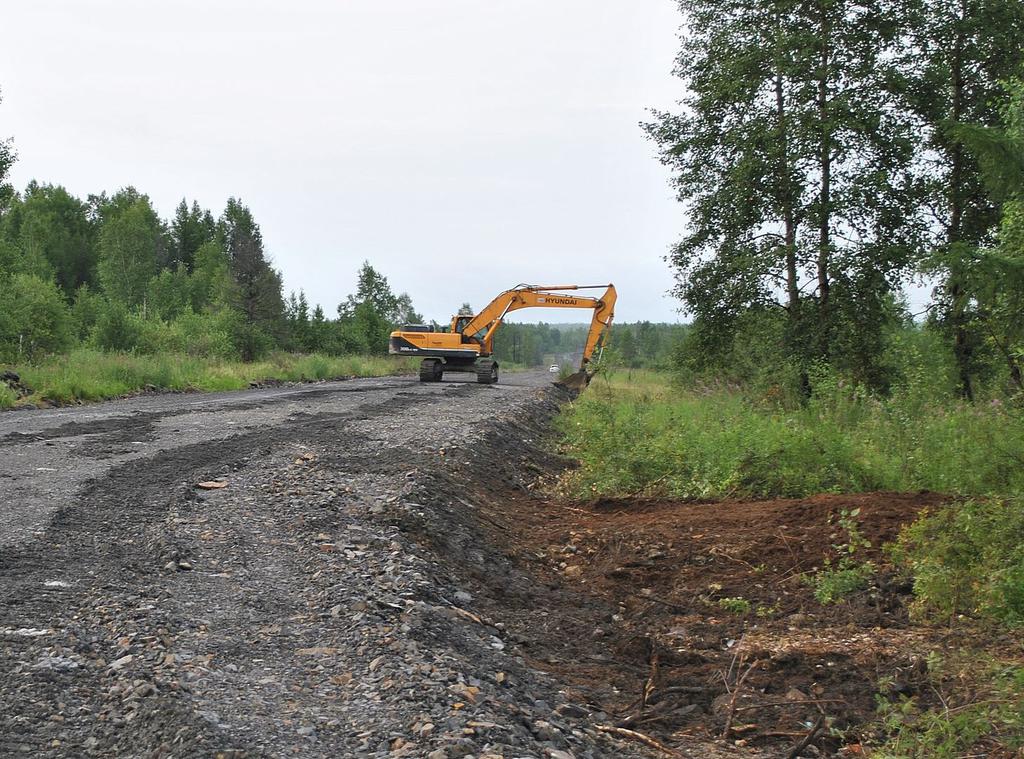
x,y
967,558
925,367
753,357
251,342
206,334
190,333
116,329
982,713
34,318
7,396
85,310
156,336
169,293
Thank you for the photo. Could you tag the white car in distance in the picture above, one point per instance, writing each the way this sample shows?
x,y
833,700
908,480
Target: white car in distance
x,y
553,368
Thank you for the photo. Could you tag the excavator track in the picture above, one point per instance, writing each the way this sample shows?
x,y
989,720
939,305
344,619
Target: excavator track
x,y
431,370
486,371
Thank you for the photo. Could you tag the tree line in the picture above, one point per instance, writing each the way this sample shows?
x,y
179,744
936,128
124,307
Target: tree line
x,y
828,153
108,272
641,344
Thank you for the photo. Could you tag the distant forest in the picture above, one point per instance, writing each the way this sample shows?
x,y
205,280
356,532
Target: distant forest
x,y
107,272
637,345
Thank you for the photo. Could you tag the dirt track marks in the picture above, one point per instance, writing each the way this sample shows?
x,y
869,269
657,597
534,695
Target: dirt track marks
x,y
47,456
290,612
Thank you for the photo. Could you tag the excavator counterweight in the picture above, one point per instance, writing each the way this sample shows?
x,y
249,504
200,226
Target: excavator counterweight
x,y
467,345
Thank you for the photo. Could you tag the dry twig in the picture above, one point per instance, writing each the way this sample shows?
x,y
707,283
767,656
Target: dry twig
x,y
668,604
735,694
645,739
649,686
680,689
645,715
799,748
715,551
767,704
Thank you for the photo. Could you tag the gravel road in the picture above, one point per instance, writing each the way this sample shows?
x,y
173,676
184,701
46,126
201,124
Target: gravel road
x,y
314,606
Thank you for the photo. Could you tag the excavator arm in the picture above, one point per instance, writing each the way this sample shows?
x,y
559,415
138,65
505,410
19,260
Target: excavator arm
x,y
483,326
600,324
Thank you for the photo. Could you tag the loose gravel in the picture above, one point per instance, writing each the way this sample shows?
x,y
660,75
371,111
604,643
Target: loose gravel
x,y
323,603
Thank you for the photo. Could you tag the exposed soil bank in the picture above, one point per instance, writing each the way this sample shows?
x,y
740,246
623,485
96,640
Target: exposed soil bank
x,y
695,621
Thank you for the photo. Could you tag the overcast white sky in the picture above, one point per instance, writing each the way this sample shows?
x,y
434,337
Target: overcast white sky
x,y
461,146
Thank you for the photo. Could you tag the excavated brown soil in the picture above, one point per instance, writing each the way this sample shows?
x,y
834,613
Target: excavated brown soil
x,y
635,620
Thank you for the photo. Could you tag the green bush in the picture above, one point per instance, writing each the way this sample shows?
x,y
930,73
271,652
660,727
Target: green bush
x,y
34,319
116,329
220,335
169,293
834,583
967,723
251,342
85,310
967,558
843,575
193,334
207,334
753,357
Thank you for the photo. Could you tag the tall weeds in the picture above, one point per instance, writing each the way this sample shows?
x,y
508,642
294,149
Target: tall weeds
x,y
87,375
641,434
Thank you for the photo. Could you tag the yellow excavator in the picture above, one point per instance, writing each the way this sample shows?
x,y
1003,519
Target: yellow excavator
x,y
467,346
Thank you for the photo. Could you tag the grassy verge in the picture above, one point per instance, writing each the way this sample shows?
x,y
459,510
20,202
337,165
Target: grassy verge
x,y
636,433
87,375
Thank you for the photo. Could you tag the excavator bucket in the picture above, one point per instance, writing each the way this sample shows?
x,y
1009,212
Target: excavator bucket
x,y
575,383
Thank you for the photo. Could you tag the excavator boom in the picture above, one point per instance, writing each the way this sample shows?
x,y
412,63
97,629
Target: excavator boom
x,y
468,346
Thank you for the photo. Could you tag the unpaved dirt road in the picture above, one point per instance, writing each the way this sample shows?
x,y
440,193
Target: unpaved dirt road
x,y
45,456
315,606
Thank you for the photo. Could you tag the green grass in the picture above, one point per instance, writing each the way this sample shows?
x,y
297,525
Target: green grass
x,y
736,605
87,375
637,433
